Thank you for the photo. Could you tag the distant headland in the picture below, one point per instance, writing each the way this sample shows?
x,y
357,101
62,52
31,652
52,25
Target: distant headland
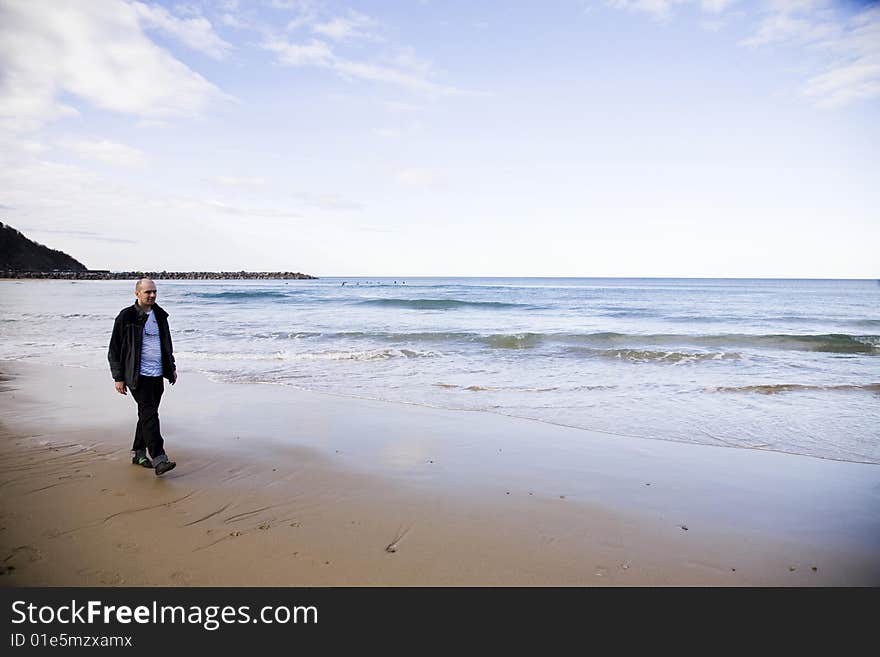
x,y
21,257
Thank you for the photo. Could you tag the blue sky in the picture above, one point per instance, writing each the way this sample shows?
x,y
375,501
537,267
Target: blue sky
x,y
607,138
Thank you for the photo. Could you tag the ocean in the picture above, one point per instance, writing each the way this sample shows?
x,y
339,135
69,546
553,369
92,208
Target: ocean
x,y
785,365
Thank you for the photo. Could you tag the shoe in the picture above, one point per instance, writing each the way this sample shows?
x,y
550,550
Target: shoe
x,y
142,460
164,467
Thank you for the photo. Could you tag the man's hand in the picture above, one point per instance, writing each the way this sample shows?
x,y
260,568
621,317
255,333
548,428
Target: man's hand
x,y
120,387
174,377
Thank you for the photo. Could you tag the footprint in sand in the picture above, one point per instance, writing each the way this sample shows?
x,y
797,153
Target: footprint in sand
x,y
131,548
108,577
23,554
392,547
181,578
57,532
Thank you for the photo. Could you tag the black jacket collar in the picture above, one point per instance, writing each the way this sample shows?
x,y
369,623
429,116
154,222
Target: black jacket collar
x,y
160,312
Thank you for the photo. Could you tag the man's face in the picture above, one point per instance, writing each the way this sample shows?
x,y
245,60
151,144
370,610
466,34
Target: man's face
x,y
146,294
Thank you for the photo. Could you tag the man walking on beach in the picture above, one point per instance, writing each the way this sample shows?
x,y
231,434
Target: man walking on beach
x,y
140,356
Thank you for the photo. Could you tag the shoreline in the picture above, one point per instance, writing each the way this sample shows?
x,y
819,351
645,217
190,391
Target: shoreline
x,y
281,486
217,379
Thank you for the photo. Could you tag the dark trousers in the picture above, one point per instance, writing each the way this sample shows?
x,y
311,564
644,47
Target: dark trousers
x,y
147,434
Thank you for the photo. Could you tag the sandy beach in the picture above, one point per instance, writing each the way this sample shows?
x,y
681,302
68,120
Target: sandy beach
x,y
281,487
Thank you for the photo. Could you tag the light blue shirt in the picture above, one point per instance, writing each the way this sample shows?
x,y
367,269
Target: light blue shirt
x,y
151,349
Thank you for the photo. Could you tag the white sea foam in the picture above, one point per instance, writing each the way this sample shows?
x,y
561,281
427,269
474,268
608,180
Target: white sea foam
x,y
363,355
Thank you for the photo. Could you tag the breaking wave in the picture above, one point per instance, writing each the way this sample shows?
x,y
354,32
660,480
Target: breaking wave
x,y
622,345
832,343
479,388
438,304
514,341
776,388
648,355
238,295
365,355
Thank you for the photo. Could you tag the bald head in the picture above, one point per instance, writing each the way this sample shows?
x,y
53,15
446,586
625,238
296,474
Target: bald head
x,y
145,291
141,282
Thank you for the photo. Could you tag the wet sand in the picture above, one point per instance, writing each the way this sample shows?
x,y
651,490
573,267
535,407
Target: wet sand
x,y
281,487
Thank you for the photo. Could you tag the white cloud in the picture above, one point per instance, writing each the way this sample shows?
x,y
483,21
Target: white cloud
x,y
289,4
787,28
844,85
865,35
854,44
407,59
80,234
88,209
355,25
792,6
233,181
314,53
267,213
658,8
254,187
231,20
196,33
715,6
851,71
404,68
95,51
32,147
416,177
408,129
146,124
185,9
399,107
47,195
318,53
106,151
327,201
712,26
379,73
306,12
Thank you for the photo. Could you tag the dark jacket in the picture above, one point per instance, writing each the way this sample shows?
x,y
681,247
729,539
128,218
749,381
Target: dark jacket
x,y
124,353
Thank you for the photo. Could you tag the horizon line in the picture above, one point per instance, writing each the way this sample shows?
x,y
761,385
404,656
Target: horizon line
x,y
508,276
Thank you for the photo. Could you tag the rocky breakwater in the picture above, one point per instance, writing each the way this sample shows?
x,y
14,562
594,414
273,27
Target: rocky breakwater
x,y
102,275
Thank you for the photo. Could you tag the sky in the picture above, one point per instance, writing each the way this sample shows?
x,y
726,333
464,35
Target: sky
x,y
692,138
